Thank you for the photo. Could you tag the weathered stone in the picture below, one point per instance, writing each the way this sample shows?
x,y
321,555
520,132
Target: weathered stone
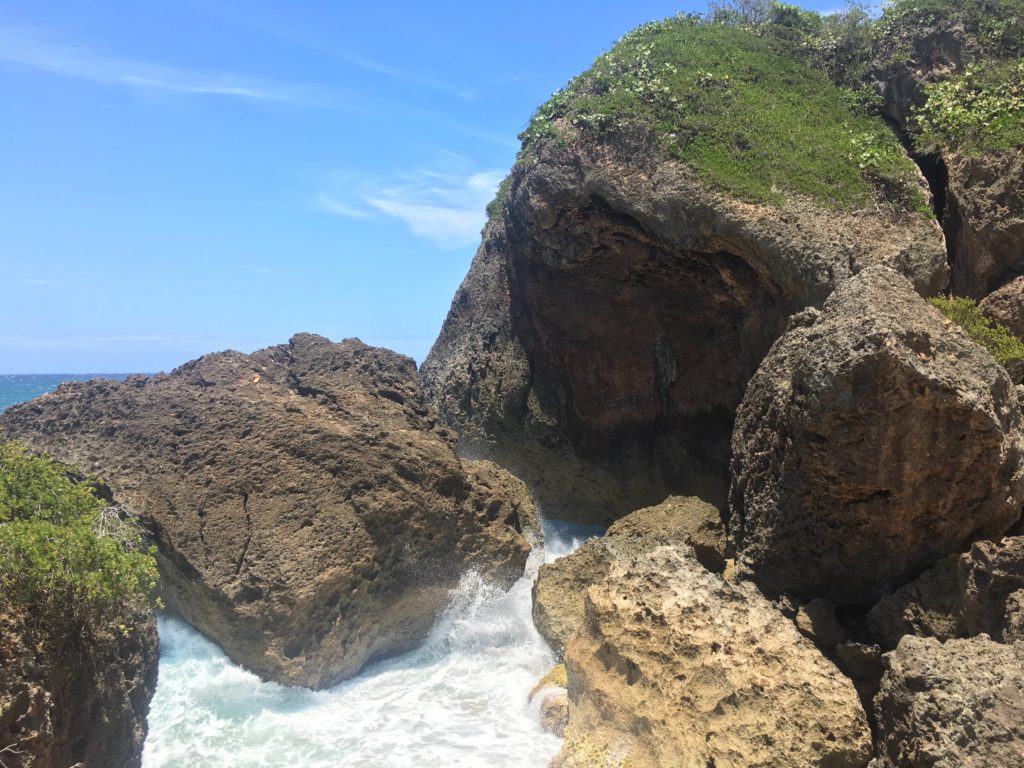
x,y
817,620
1006,306
554,713
309,515
616,309
929,606
559,590
69,697
985,220
988,575
953,704
871,443
675,666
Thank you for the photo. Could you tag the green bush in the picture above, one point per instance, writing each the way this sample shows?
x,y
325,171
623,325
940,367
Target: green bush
x,y
65,557
741,109
996,25
1004,346
981,109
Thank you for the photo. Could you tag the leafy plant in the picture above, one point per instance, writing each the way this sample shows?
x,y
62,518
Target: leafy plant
x,y
999,340
65,557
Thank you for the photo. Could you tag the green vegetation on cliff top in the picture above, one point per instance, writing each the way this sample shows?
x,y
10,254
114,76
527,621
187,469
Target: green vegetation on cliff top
x,y
742,109
65,557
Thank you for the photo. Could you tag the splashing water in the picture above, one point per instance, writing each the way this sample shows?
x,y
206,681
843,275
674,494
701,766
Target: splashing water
x,y
458,700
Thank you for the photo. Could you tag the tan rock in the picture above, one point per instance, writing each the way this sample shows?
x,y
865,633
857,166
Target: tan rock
x,y
673,666
554,713
559,590
1006,306
817,620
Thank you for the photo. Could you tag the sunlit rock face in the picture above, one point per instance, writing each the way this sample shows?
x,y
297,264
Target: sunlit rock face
x,y
617,308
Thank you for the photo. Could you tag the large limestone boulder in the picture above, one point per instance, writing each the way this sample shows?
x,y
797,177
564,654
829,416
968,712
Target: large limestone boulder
x,y
875,438
617,308
674,666
71,698
985,219
308,513
561,586
953,704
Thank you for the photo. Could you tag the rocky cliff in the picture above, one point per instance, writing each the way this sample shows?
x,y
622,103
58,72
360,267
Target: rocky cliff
x,y
309,515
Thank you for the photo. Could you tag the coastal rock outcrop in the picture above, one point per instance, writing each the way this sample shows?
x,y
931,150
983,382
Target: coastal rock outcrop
x,y
875,438
985,220
68,699
675,666
309,515
1006,305
561,586
616,309
952,704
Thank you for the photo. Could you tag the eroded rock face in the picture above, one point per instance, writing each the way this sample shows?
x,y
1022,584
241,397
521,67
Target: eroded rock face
x,y
875,438
929,606
605,333
1006,306
68,698
309,515
985,220
952,704
560,588
991,577
675,666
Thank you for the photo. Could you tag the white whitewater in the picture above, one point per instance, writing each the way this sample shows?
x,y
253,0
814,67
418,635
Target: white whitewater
x,y
458,700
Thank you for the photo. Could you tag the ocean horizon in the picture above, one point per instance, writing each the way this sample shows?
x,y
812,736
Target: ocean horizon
x,y
19,387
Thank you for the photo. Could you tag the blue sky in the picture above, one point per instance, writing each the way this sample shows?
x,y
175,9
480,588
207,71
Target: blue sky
x,y
189,176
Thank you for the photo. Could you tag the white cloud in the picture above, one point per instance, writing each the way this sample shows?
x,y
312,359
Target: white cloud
x,y
19,47
445,204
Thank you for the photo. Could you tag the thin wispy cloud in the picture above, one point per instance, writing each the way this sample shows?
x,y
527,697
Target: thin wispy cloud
x,y
446,205
37,281
28,50
364,63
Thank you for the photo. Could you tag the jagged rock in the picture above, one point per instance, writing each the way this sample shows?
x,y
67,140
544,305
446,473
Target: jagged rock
x,y
560,587
985,219
675,666
817,620
309,515
1006,306
862,663
989,575
929,606
616,309
72,698
953,704
906,63
870,443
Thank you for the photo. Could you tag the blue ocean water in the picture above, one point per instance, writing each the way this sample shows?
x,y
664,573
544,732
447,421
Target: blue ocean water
x,y
19,387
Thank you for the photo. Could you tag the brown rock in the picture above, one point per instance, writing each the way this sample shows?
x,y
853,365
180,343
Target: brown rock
x,y
817,620
929,606
69,697
875,438
985,220
1006,306
989,575
309,515
953,704
559,590
616,309
675,667
554,713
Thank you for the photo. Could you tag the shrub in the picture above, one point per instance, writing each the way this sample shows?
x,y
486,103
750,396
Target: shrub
x,y
1006,348
65,557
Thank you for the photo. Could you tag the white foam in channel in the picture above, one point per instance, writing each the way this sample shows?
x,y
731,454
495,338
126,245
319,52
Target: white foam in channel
x,y
458,700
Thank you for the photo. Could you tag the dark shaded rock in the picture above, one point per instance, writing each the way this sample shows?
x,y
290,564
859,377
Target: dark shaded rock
x,y
673,666
870,444
560,587
952,704
985,220
817,620
929,606
862,663
309,516
616,308
1006,306
70,697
